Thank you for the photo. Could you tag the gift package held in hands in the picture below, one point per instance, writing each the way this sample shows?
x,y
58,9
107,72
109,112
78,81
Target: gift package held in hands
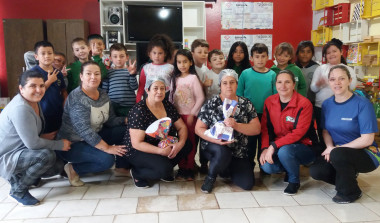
x,y
219,130
160,130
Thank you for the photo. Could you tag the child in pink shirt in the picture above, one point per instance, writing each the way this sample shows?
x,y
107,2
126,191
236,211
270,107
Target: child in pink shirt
x,y
188,98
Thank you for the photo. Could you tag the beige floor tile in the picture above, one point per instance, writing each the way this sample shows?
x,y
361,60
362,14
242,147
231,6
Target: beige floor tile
x,y
66,193
310,214
197,202
180,216
104,191
177,188
116,206
352,212
132,191
219,187
267,215
308,183
92,219
5,186
98,178
308,197
75,208
331,192
120,180
157,204
275,182
374,206
40,193
56,182
373,192
5,208
224,216
3,194
47,220
273,198
40,211
366,180
137,218
12,221
236,200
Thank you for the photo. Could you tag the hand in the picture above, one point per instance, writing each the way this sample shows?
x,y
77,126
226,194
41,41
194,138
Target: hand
x,y
321,82
66,145
95,50
50,135
208,82
165,151
190,120
222,142
52,76
230,122
116,150
266,155
327,152
176,147
132,67
64,71
126,121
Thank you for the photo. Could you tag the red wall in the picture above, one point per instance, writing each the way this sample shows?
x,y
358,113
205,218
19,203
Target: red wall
x,y
292,21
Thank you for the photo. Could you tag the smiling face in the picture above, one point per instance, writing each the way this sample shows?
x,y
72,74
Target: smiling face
x,y
339,81
333,55
119,58
183,64
90,77
156,92
59,62
33,90
99,44
217,61
283,58
285,85
157,55
228,87
81,50
238,55
45,56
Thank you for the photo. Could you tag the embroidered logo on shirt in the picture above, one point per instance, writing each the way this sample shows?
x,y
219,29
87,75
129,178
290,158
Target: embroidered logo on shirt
x,y
346,119
290,119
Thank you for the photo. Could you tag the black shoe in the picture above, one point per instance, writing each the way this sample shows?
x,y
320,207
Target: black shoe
x,y
340,199
263,173
292,189
139,183
36,183
168,179
190,175
203,169
208,184
181,174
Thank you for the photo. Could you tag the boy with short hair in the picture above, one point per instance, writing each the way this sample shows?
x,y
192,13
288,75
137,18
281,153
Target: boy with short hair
x,y
81,54
121,81
55,95
211,78
60,64
199,49
257,84
96,41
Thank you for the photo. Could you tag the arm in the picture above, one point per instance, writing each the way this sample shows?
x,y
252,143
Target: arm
x,y
140,91
249,129
315,85
51,78
133,84
24,121
182,137
198,95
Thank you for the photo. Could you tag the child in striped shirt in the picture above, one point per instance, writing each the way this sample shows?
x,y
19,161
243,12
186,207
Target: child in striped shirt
x,y
121,81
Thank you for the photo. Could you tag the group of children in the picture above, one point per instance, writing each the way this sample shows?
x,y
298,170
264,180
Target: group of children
x,y
190,81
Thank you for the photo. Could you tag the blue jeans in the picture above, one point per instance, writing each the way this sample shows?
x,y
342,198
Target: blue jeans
x,y
288,159
88,159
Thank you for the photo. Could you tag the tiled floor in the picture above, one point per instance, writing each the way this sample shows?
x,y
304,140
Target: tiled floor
x,y
106,198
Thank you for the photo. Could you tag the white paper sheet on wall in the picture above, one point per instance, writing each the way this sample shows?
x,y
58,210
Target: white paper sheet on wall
x,y
226,42
247,15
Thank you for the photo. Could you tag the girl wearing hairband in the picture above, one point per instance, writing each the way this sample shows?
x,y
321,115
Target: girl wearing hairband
x,y
349,126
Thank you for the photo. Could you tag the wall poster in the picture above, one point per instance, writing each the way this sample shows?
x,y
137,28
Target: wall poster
x,y
226,42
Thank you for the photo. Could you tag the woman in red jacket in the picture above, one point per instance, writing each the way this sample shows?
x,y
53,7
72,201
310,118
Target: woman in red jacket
x,y
285,125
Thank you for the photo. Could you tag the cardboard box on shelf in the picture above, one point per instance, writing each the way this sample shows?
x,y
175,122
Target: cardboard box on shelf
x,y
369,59
376,38
368,39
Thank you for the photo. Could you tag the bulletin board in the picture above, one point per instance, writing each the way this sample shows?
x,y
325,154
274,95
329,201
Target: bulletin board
x,y
226,42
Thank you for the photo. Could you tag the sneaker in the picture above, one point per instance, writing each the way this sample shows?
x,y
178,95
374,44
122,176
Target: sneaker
x,y
203,169
340,199
292,189
73,177
139,183
208,184
181,174
168,179
26,200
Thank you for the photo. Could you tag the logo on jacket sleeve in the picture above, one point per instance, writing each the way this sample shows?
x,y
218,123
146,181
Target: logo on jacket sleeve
x,y
289,119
